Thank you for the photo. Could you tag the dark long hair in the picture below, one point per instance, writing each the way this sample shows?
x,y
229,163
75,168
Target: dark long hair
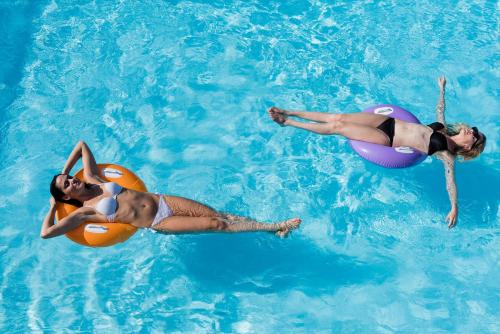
x,y
58,194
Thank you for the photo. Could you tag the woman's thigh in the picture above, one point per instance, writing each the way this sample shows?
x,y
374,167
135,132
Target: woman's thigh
x,y
363,118
179,224
181,206
366,133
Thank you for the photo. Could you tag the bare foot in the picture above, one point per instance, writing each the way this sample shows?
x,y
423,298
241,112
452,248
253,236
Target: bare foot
x,y
287,226
278,115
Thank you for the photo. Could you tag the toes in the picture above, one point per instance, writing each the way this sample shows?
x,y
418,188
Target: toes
x,y
281,234
288,226
294,223
279,118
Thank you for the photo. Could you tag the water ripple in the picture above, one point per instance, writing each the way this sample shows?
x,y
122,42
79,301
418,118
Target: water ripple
x,y
178,91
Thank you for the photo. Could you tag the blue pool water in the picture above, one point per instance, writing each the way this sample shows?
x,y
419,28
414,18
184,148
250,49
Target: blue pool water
x,y
178,91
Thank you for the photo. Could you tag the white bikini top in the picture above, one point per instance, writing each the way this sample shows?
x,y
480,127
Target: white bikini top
x,y
107,205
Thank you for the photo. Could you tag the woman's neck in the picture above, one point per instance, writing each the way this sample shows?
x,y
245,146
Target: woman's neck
x,y
453,143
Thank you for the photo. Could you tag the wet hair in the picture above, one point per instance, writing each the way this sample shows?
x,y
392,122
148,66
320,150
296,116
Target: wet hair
x,y
58,194
475,150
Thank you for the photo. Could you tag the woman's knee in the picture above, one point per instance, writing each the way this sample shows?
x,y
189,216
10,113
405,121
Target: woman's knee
x,y
334,118
216,224
336,126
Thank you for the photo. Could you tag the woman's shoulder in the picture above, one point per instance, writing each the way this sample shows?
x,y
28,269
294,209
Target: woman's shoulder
x,y
436,126
438,142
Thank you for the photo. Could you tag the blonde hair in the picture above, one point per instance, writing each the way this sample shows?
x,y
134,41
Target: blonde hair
x,y
475,150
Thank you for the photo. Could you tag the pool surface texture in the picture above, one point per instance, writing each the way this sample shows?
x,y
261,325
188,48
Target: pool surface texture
x,y
178,92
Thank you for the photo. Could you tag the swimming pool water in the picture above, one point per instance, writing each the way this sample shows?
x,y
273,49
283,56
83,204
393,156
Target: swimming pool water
x,y
177,91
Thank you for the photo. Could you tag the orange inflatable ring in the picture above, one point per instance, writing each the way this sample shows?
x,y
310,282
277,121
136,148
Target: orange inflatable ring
x,y
103,234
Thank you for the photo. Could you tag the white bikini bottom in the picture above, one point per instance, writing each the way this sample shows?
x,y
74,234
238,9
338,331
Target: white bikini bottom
x,y
163,212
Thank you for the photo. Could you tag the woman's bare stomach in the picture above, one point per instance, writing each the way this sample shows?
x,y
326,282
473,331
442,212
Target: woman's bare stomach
x,y
140,209
412,135
136,208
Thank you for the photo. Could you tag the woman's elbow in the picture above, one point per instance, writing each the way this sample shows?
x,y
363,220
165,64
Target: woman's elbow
x,y
46,235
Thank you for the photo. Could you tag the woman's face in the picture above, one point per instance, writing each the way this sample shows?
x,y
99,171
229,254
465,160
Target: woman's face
x,y
469,136
69,185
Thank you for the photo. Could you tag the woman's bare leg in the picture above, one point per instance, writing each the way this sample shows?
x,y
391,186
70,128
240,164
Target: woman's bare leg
x,y
356,126
352,131
181,206
309,115
192,216
361,118
224,223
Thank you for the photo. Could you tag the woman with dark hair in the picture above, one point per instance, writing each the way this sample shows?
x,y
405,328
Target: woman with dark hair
x,y
101,201
446,140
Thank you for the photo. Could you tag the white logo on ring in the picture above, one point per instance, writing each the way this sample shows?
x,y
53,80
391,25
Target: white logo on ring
x,y
404,149
112,173
383,111
97,229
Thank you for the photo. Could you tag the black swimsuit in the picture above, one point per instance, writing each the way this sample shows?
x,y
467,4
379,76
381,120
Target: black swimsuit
x,y
437,141
387,127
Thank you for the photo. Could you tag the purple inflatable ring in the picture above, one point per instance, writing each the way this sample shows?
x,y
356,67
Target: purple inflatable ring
x,y
385,156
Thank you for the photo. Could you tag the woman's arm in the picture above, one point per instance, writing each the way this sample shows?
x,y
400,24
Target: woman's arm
x,y
441,105
449,171
90,170
50,230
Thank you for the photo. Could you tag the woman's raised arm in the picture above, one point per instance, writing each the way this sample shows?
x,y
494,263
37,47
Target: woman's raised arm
x,y
50,230
90,170
441,105
449,171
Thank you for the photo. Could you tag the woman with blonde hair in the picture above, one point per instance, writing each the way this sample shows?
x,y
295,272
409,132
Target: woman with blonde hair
x,y
447,141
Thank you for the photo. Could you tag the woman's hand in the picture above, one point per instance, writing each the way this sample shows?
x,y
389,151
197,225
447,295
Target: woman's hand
x,y
451,218
73,157
442,82
48,221
90,170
